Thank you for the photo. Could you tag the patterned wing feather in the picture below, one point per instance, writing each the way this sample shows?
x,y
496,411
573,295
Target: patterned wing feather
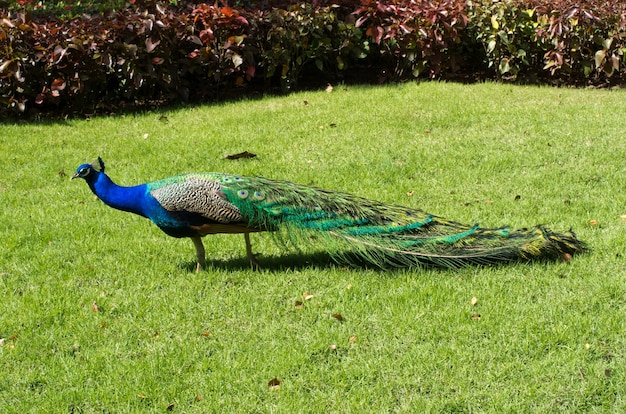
x,y
196,194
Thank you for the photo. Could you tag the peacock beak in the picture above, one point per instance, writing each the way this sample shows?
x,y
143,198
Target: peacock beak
x,y
74,176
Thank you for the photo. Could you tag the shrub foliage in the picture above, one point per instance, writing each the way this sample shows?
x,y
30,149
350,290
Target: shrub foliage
x,y
171,52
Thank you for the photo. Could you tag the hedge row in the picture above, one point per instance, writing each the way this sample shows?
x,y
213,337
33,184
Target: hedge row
x,y
570,41
153,52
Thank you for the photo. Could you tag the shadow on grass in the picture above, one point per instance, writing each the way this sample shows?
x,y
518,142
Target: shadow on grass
x,y
290,261
322,260
298,261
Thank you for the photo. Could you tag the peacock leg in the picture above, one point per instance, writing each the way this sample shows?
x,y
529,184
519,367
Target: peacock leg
x,y
251,255
197,242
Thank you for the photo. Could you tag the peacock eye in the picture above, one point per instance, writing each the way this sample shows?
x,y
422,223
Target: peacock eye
x,y
83,172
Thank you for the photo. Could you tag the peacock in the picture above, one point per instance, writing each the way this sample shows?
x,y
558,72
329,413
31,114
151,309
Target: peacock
x,y
351,229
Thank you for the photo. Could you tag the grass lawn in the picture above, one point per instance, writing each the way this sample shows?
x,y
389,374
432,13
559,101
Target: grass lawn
x,y
102,312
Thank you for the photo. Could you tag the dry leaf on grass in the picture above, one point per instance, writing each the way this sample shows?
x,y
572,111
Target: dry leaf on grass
x,y
273,384
244,154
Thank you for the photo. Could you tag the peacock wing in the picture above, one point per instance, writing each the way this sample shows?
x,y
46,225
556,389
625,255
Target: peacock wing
x,y
197,195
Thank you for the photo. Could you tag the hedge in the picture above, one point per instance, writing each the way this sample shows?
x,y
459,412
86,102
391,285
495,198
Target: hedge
x,y
159,52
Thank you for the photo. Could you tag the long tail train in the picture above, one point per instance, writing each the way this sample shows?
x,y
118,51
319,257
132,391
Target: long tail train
x,y
355,229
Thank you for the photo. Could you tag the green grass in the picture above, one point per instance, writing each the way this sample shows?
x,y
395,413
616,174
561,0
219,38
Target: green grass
x,y
550,336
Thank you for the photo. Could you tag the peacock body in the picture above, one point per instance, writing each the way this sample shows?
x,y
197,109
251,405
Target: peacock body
x,y
350,228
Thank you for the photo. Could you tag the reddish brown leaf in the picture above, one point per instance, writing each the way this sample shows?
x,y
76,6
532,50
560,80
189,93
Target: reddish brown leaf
x,y
338,317
227,11
376,33
206,35
58,84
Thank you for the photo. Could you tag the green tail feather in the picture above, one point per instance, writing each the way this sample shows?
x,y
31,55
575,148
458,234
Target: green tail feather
x,y
353,229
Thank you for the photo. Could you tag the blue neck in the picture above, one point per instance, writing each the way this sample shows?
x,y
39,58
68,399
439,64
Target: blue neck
x,y
122,198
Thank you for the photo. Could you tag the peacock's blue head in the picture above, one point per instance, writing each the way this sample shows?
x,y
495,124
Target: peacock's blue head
x,y
88,171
